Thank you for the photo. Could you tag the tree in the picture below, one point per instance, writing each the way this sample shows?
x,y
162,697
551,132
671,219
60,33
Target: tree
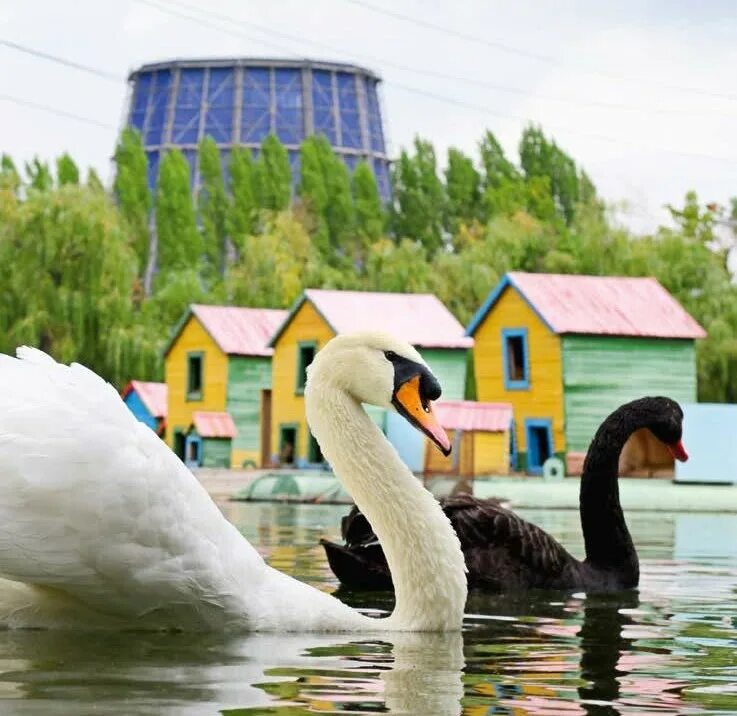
x,y
71,243
93,180
497,169
67,172
9,176
213,207
274,266
39,175
419,197
541,158
179,242
462,186
400,267
242,219
274,176
312,188
369,211
134,199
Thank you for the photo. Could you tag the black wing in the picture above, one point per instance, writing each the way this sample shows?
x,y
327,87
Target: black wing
x,y
504,552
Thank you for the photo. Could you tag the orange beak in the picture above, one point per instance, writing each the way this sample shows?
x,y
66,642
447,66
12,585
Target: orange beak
x,y
408,401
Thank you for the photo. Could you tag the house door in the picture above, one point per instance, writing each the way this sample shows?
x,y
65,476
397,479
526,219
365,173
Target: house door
x,y
265,428
539,444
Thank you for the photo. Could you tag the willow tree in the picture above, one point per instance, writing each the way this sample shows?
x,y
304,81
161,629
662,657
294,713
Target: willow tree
x,y
70,290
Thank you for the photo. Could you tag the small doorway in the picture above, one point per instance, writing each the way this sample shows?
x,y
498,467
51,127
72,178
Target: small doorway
x,y
265,427
193,450
179,439
539,444
287,444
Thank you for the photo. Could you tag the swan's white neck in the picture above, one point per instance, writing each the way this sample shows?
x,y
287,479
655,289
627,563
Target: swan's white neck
x,y
421,547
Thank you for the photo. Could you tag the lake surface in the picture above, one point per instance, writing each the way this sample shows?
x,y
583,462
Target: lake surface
x,y
671,648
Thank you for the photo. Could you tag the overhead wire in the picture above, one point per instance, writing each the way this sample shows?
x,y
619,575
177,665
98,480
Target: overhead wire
x,y
521,52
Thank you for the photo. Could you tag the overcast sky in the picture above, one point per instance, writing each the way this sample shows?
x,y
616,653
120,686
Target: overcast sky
x,y
642,93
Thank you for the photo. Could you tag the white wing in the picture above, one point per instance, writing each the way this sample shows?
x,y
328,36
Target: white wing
x,y
95,508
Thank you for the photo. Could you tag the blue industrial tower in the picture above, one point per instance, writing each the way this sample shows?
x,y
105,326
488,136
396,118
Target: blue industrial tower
x,y
241,101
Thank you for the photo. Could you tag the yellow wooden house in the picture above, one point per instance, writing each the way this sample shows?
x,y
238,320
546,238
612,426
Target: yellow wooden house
x,y
481,435
319,315
567,350
218,374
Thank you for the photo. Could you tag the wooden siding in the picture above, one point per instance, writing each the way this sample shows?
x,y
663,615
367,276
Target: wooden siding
x,y
449,367
544,397
247,377
474,453
216,452
192,338
287,407
491,453
602,372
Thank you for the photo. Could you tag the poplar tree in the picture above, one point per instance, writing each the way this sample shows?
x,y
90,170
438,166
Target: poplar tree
x,y
243,205
213,206
134,198
179,241
370,214
419,197
67,172
462,186
274,176
39,175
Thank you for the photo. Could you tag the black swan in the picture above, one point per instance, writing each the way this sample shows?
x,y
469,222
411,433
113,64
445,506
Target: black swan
x,y
503,552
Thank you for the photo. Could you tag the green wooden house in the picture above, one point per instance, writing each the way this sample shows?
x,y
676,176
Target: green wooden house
x,y
567,350
218,375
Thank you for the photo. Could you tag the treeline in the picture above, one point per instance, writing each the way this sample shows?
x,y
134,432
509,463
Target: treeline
x,y
101,277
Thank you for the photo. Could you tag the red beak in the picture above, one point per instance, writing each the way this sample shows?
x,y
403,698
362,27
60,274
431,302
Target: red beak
x,y
678,451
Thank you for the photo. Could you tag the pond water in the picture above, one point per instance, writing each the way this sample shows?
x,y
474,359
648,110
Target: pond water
x,y
670,648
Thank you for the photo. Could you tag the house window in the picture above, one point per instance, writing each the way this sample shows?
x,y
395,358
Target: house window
x,y
195,364
305,356
516,359
287,444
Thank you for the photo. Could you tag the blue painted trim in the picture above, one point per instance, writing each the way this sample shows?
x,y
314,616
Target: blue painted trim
x,y
193,439
493,297
513,459
530,423
510,384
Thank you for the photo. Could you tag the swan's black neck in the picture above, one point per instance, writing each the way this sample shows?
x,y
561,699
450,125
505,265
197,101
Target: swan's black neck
x,y
608,542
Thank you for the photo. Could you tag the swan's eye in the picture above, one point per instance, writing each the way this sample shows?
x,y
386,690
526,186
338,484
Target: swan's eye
x,y
390,355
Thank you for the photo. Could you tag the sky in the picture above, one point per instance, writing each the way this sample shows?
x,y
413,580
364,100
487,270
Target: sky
x,y
641,93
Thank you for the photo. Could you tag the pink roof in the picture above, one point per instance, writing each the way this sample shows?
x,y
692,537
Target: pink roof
x,y
601,305
214,425
421,319
470,415
240,331
152,395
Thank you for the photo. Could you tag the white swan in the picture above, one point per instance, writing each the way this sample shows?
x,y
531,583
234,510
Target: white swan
x,y
101,525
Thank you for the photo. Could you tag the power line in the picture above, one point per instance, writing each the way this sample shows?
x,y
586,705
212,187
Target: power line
x,y
62,61
428,94
548,59
421,70
56,111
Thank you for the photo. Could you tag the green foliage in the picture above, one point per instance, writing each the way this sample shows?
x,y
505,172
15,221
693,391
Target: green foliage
x,y
463,189
67,172
369,211
213,207
93,180
9,176
39,175
274,177
275,265
243,209
70,290
180,245
419,197
132,193
497,168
